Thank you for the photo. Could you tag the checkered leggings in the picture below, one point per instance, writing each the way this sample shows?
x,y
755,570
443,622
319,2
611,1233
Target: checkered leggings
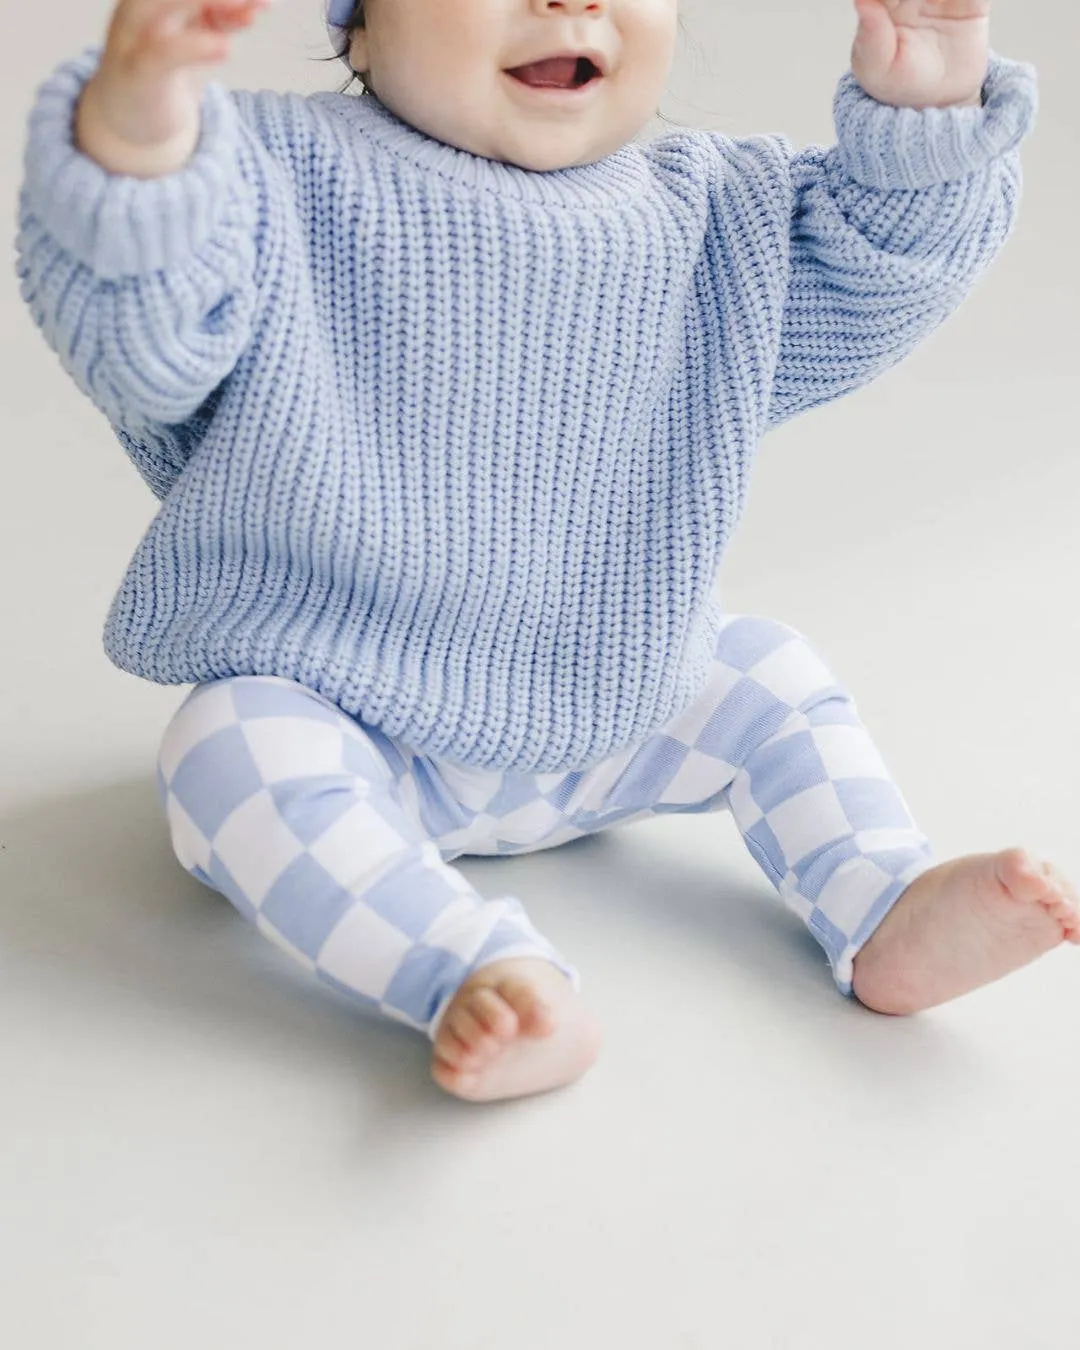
x,y
335,840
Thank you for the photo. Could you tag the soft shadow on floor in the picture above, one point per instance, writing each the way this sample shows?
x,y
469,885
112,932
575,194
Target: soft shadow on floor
x,y
93,893
684,885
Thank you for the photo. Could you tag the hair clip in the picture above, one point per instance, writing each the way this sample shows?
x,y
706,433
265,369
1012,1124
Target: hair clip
x,y
339,12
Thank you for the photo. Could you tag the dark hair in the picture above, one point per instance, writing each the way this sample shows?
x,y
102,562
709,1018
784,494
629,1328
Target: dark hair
x,y
356,20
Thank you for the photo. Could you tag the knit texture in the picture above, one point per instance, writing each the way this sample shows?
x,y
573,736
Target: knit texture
x,y
459,445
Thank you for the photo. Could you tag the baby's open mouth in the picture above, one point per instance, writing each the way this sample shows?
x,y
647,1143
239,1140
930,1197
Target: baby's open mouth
x,y
557,72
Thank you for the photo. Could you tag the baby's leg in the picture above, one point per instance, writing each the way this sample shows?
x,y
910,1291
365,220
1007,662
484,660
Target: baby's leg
x,y
775,738
289,808
816,806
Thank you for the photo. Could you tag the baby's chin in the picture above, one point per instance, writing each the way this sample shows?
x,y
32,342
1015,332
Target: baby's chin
x,y
546,155
547,164
543,150
534,158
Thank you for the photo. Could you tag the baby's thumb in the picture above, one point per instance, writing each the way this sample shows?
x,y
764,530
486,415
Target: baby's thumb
x,y
876,42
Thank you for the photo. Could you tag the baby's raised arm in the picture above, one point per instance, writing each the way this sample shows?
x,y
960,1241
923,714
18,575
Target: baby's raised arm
x,y
139,114
892,226
143,210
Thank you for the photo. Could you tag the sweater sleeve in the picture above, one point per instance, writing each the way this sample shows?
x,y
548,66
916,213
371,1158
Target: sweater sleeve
x,y
890,229
144,288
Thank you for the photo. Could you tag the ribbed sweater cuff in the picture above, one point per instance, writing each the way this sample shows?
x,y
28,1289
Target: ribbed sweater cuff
x,y
885,147
115,224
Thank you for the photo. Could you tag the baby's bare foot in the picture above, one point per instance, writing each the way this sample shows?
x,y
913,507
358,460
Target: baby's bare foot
x,y
963,924
514,1028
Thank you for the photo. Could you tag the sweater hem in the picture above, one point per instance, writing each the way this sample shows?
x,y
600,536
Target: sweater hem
x,y
689,679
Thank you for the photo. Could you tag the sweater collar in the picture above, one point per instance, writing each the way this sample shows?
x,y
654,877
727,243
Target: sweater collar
x,y
606,182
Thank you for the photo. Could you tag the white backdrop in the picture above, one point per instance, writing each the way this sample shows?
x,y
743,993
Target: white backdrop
x,y
197,1145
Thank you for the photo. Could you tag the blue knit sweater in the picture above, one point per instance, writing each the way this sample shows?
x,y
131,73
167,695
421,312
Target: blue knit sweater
x,y
457,444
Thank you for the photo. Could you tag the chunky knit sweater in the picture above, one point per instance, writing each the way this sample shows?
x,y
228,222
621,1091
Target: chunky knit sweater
x,y
458,444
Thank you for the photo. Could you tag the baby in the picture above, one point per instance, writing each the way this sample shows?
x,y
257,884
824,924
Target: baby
x,y
450,394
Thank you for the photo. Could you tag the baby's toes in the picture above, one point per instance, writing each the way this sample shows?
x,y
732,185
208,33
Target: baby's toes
x,y
534,1014
1035,879
460,1082
482,1044
450,1049
495,1015
1023,876
1062,901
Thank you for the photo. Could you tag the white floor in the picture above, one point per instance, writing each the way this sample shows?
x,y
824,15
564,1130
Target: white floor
x,y
198,1146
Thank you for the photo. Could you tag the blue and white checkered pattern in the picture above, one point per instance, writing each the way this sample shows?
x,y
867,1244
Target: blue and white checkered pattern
x,y
335,840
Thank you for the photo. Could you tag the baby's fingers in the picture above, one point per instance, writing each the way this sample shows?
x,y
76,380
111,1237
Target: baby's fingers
x,y
225,16
877,39
162,35
956,9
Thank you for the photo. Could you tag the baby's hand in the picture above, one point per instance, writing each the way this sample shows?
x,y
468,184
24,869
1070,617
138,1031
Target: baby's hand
x,y
922,53
139,113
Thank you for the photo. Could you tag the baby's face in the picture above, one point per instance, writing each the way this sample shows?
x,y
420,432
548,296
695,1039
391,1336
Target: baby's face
x,y
441,66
